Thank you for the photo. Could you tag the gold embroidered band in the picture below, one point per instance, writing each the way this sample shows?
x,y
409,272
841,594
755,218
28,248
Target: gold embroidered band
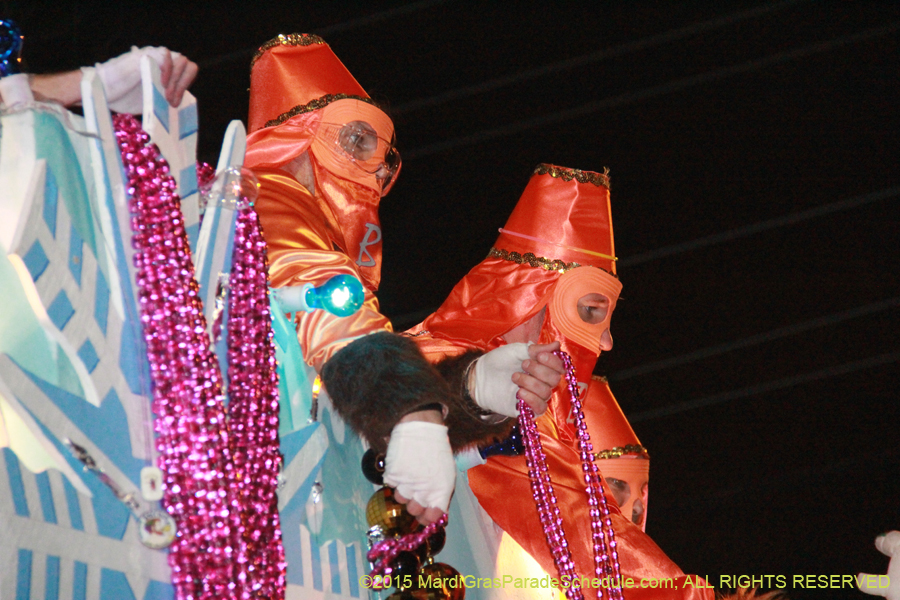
x,y
294,39
598,179
316,105
622,450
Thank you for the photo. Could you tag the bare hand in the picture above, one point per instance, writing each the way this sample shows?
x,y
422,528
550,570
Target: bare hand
x,y
541,374
425,516
177,73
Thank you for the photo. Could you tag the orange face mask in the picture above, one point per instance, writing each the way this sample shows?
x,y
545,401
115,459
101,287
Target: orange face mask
x,y
635,473
571,287
331,152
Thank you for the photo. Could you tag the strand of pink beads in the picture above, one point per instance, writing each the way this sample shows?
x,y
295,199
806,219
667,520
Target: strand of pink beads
x,y
253,409
606,556
384,552
215,555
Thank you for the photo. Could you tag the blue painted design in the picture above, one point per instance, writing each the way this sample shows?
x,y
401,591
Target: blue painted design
x,y
352,577
187,182
101,302
292,516
205,276
15,483
51,581
60,310
157,590
51,201
133,354
315,561
114,584
187,121
23,575
36,260
106,426
292,443
46,496
161,108
79,582
76,255
100,425
193,234
335,568
52,143
88,356
74,506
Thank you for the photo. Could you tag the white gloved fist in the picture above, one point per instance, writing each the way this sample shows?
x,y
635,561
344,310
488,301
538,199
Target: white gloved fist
x,y
494,387
886,586
121,77
419,463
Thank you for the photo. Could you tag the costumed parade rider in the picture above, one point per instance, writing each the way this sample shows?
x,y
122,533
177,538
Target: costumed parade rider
x,y
324,154
551,276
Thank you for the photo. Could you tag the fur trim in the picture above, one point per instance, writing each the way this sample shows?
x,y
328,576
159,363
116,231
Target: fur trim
x,y
465,425
377,379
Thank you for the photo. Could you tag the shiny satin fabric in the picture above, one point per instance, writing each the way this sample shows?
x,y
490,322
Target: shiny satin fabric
x,y
294,72
610,429
562,220
305,244
273,147
493,298
503,489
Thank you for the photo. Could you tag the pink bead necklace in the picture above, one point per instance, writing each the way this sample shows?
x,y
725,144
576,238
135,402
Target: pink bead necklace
x,y
384,552
215,479
606,556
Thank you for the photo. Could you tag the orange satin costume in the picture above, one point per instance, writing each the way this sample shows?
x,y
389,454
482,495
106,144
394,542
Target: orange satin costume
x,y
561,224
617,448
297,83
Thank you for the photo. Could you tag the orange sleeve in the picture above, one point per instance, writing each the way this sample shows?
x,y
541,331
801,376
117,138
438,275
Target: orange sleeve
x,y
303,248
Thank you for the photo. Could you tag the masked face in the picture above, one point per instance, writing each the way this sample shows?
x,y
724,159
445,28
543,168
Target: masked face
x,y
354,142
627,480
580,309
582,306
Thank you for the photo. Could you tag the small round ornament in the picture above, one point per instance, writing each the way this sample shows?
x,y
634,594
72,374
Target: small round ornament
x,y
434,543
440,581
373,466
404,570
157,529
384,510
402,595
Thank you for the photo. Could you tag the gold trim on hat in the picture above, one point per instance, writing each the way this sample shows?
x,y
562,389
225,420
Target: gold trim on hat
x,y
316,104
622,450
294,39
566,174
548,264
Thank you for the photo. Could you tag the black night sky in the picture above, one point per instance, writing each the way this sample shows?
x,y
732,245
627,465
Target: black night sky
x,y
752,149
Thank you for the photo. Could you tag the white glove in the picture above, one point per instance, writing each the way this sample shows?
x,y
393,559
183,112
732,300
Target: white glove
x,y
419,463
121,77
494,388
888,585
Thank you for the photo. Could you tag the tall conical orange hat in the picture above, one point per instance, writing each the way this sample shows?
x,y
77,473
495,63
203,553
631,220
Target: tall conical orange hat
x,y
563,219
618,452
293,74
611,433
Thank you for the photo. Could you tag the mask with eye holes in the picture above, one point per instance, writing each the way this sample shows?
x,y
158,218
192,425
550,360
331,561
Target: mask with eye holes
x,y
353,144
579,337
